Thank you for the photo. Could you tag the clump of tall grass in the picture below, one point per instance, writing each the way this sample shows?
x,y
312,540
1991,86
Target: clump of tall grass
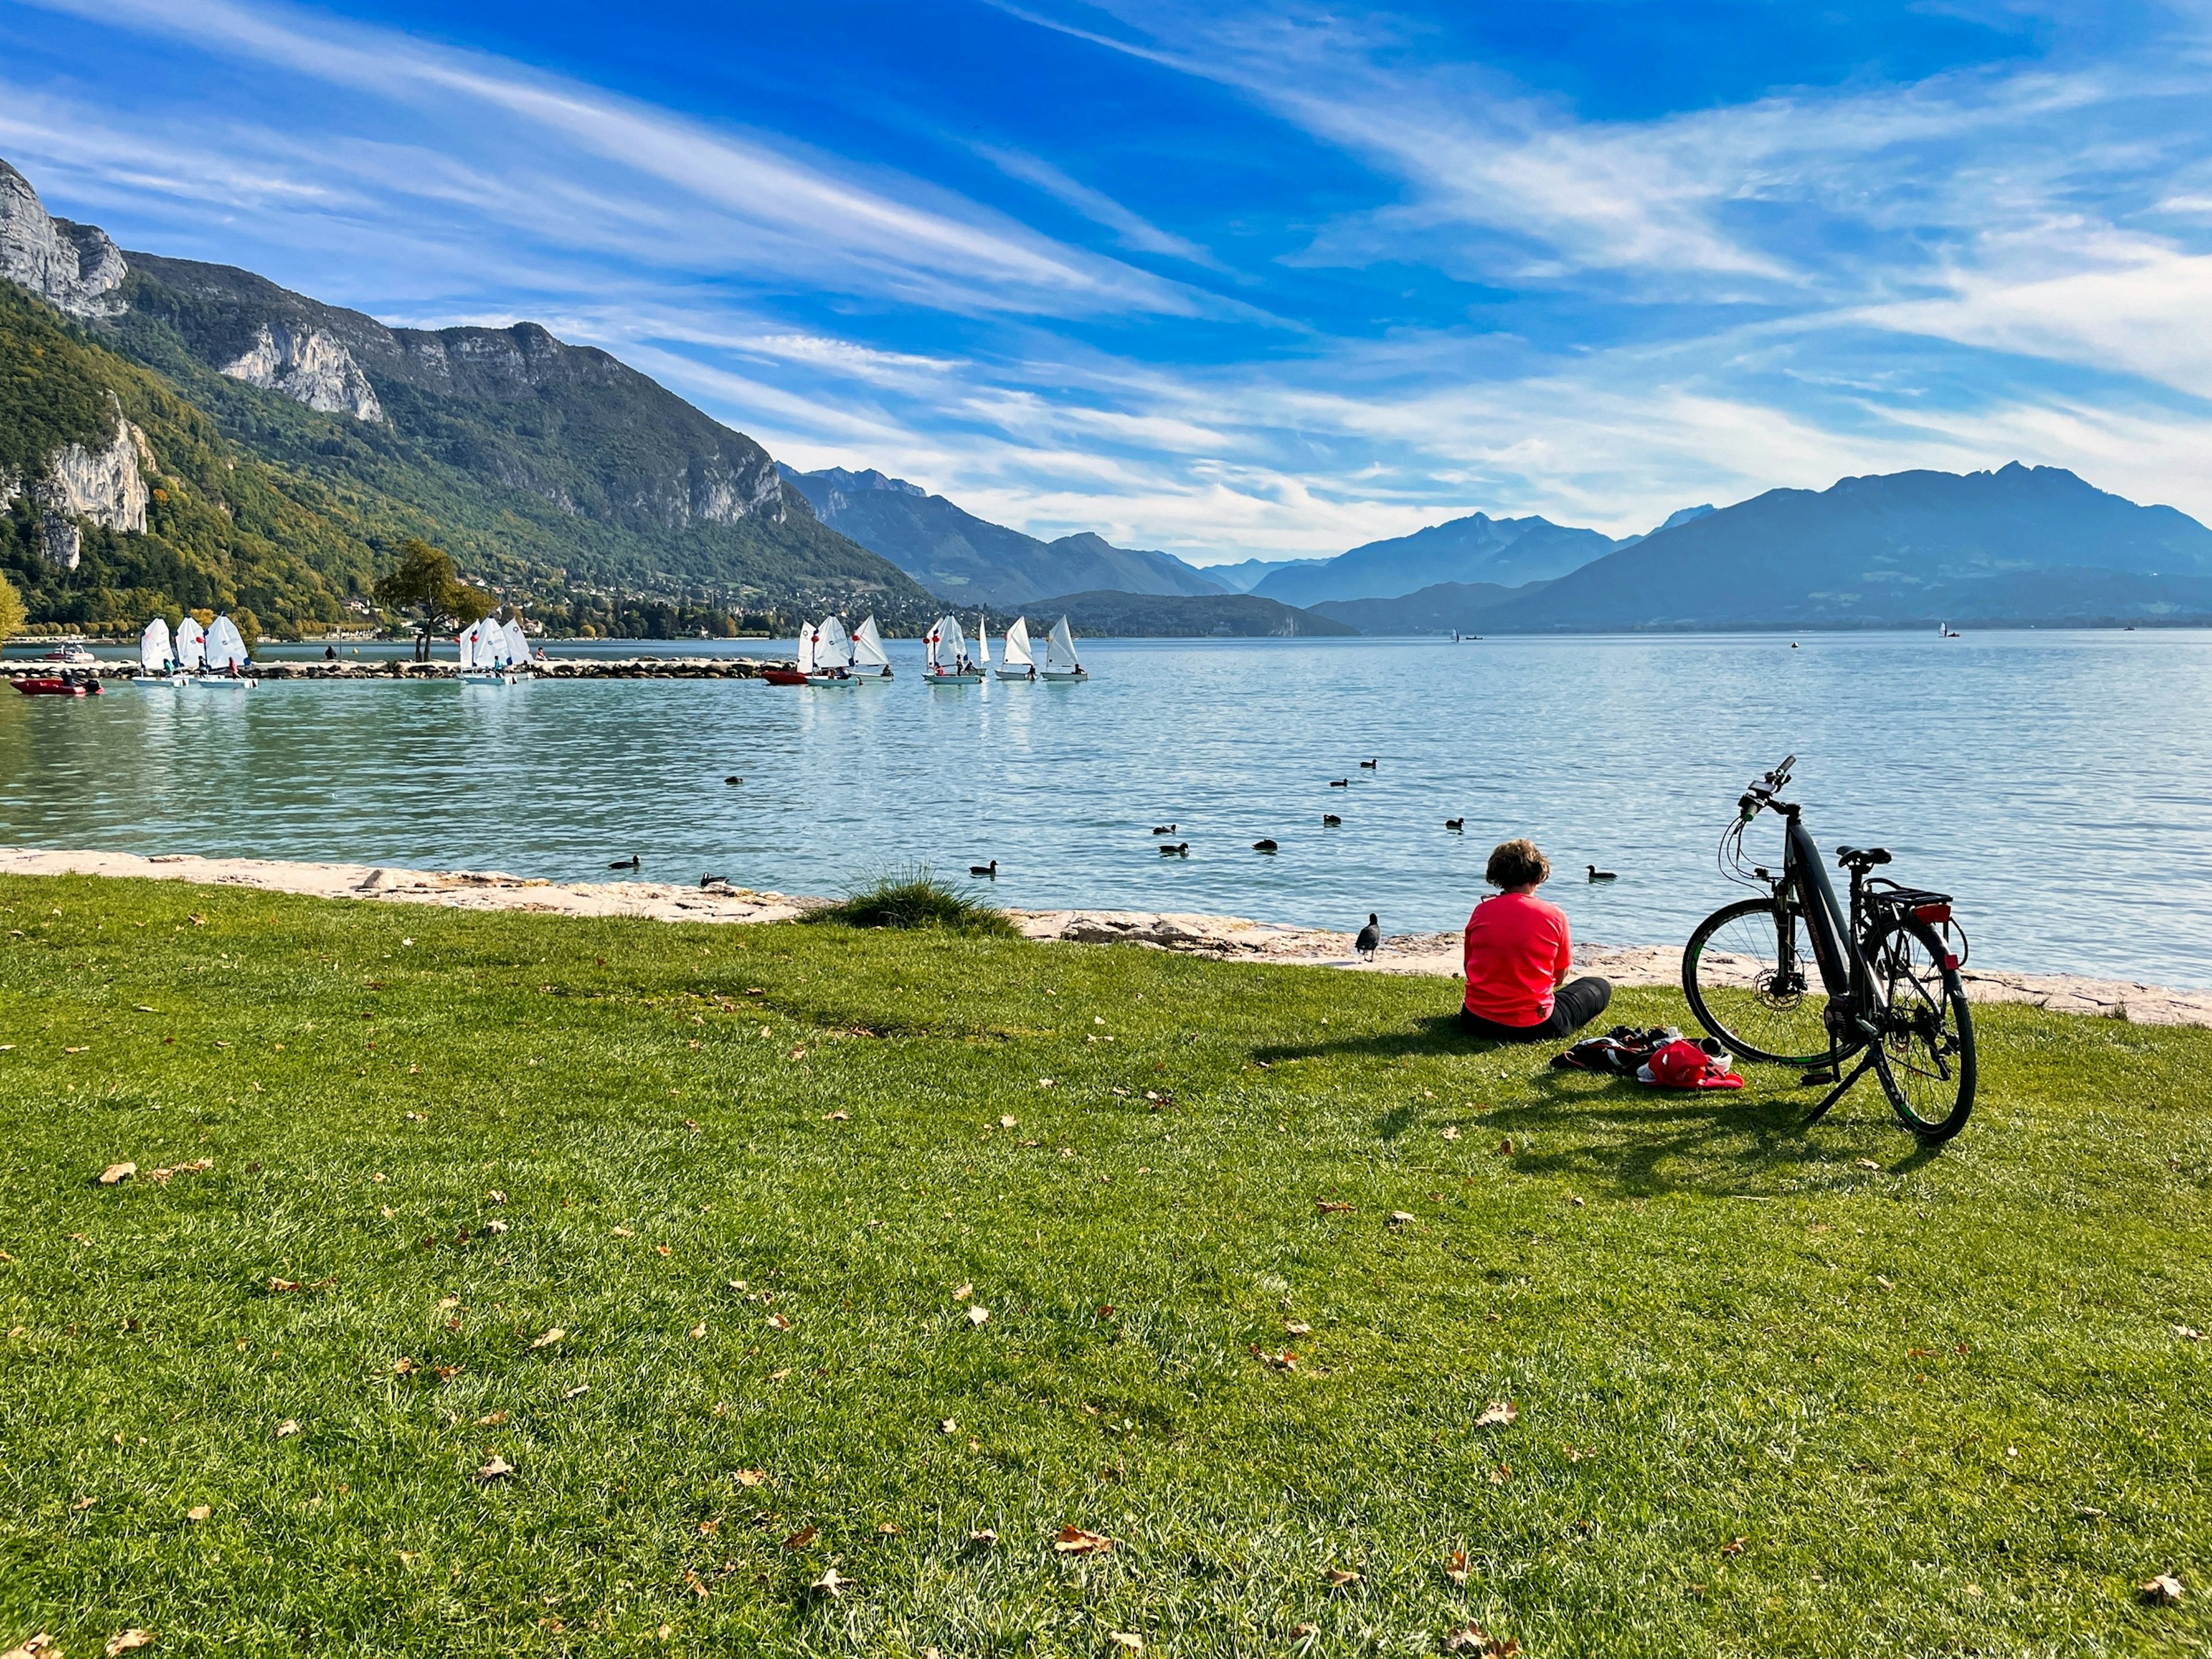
x,y
915,896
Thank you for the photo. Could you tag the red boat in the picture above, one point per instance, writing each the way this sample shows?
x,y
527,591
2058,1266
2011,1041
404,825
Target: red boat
x,y
783,677
57,688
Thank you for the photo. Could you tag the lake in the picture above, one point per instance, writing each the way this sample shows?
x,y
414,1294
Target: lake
x,y
2059,783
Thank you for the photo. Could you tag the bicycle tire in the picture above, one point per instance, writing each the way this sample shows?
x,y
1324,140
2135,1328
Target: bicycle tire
x,y
1929,1072
1789,1029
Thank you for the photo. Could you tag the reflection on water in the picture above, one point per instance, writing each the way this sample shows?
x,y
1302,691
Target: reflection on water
x,y
2056,783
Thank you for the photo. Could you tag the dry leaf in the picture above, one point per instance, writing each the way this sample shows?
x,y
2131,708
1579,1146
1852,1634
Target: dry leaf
x,y
1402,1218
710,1526
1008,1121
128,1640
963,1292
779,1322
829,1583
1342,1578
1884,1283
949,1426
1868,1163
660,1250
1501,1474
115,1172
495,1469
1505,1147
1073,1540
802,1538
2163,1591
555,1334
280,1285
1455,1567
288,1428
889,1529
496,1196
983,1539
1497,1413
1044,1083
576,1393
446,1303
1332,1206
1451,1133
1298,1328
749,1477
799,1054
978,1314
1129,1640
494,1227
83,1503
199,1512
491,1420
838,1117
402,1365
623,1232
2187,1333
1735,1546
1300,1632
778,1377
699,1330
1473,1638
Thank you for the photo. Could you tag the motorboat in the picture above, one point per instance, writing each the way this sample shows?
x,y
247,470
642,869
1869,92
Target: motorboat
x,y
1060,662
64,684
227,667
948,663
72,655
1017,661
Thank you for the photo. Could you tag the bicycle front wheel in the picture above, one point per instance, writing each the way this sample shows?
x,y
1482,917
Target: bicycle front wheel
x,y
1927,1030
1752,982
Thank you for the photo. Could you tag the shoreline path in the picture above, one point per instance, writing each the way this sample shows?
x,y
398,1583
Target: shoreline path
x,y
1222,938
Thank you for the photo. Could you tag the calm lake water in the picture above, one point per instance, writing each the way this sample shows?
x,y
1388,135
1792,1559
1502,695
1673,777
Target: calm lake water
x,y
2060,784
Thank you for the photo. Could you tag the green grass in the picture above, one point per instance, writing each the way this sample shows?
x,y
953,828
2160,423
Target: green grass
x,y
1683,1295
915,897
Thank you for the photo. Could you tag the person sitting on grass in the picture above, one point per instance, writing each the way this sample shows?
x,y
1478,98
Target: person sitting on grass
x,y
1518,957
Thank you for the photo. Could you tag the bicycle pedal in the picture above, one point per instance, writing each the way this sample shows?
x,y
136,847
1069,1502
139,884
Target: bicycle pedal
x,y
1815,1079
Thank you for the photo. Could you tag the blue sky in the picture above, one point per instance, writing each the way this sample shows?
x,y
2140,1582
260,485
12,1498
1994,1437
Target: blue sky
x,y
1230,282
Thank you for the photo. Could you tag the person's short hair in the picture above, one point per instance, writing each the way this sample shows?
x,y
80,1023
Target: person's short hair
x,y
1516,863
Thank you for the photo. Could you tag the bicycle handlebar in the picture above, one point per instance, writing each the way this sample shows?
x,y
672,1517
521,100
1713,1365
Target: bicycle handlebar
x,y
1758,794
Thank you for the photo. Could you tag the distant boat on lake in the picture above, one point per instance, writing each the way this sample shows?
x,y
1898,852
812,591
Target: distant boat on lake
x,y
871,663
948,655
1060,662
157,657
228,667
1017,662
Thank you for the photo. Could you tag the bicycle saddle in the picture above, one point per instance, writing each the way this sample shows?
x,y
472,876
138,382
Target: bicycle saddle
x,y
1862,858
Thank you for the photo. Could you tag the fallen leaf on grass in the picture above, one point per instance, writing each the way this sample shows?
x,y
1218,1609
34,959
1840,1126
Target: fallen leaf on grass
x,y
1505,1147
802,1538
830,1584
1298,1328
86,1049
125,1642
288,1428
401,1366
491,1420
1124,1639
1299,1632
778,1323
964,1293
1342,1578
978,1314
1734,1547
1456,1568
82,1504
1473,1638
576,1393
1501,1474
1497,1413
555,1334
778,1377
1008,1121
837,1117
278,1287
1867,1163
115,1172
623,1232
199,1512
2187,1334
1451,1132
1883,1283
662,1249
709,1528
1402,1218
2164,1591
949,1426
799,1054
982,1538
495,1228
495,1469
1332,1206
749,1477
1287,1360
1073,1540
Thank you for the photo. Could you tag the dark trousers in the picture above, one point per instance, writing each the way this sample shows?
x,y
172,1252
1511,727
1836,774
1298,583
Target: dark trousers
x,y
1574,1005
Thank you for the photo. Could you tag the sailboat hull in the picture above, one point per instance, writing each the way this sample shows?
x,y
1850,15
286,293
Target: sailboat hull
x,y
829,682
954,679
160,681
1065,676
1013,673
225,682
486,677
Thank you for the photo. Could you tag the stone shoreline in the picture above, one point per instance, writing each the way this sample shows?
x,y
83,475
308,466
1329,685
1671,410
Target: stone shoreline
x,y
1228,938
559,668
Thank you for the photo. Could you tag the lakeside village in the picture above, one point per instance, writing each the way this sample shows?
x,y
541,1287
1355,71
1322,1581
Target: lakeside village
x,y
216,654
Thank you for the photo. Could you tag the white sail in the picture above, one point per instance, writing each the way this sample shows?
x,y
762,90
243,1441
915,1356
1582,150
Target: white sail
x,y
947,644
832,649
517,644
1060,650
806,632
983,641
1016,646
154,647
225,647
868,647
191,645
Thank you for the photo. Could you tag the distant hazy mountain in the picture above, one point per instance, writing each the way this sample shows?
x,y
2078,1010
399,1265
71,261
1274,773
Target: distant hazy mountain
x,y
1445,608
1244,576
1173,616
1475,549
970,561
1681,516
1908,549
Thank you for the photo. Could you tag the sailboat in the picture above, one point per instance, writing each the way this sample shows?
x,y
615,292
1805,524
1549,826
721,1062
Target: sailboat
x,y
484,655
228,667
802,661
948,655
983,647
833,654
1017,664
871,663
1060,659
192,646
1945,631
157,663
518,645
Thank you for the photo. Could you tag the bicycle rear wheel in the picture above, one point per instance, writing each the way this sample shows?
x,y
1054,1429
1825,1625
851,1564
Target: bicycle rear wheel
x,y
1752,982
1927,1065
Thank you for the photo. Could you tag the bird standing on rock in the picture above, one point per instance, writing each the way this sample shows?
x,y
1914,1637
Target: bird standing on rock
x,y
1371,937
990,869
629,863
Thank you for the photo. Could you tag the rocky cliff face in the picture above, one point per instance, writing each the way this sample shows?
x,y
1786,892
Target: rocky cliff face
x,y
73,266
309,367
105,485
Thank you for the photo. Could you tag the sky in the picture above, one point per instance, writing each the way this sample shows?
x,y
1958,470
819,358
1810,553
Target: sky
x,y
1232,282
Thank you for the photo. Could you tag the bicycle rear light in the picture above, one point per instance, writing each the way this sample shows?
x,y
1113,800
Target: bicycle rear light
x,y
1931,913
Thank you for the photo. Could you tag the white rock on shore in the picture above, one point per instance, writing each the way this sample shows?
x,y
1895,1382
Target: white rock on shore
x,y
1221,937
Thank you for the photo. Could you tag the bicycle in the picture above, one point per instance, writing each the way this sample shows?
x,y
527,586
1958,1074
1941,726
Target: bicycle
x,y
1888,980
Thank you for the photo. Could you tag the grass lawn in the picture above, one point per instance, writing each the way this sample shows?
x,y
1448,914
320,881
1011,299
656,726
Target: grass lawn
x,y
1778,1391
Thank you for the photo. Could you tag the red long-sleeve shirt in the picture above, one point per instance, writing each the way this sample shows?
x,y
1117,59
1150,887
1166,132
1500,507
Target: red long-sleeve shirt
x,y
1517,951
